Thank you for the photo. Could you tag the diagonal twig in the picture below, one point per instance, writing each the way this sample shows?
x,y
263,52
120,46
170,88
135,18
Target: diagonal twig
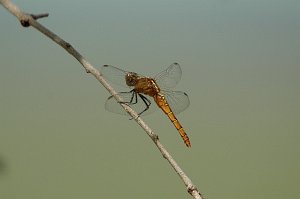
x,y
30,20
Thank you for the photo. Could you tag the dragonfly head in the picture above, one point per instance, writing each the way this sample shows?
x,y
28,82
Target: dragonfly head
x,y
131,79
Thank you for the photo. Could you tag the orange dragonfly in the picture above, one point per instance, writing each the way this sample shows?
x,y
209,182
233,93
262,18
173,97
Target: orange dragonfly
x,y
158,88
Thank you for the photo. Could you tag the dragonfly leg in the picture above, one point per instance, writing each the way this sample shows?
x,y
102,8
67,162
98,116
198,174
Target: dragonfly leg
x,y
134,96
133,99
147,103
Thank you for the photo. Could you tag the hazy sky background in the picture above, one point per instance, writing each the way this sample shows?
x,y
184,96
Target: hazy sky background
x,y
241,68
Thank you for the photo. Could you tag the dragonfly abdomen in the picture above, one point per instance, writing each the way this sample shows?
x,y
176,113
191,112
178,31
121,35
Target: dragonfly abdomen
x,y
163,104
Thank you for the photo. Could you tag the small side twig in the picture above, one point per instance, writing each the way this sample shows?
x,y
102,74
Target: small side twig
x,y
30,20
38,16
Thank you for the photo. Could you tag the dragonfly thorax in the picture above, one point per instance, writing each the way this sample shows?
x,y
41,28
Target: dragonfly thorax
x,y
147,86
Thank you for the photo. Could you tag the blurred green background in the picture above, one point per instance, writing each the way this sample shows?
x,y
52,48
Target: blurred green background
x,y
240,62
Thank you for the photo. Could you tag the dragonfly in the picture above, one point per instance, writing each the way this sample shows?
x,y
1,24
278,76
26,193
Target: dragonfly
x,y
144,91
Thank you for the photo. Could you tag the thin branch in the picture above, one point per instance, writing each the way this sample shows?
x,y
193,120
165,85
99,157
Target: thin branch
x,y
30,20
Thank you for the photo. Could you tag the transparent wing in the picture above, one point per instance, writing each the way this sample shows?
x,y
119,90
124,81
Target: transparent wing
x,y
113,106
114,74
170,77
177,100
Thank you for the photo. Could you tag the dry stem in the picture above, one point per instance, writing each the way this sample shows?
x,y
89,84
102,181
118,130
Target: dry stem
x,y
30,20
